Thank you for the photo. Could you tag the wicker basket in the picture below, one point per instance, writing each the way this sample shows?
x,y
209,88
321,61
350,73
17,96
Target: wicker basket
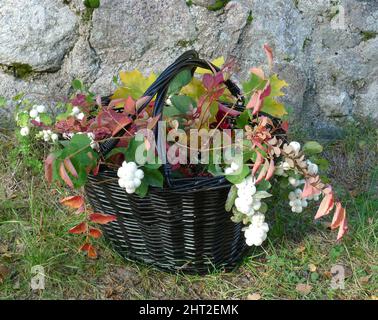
x,y
183,226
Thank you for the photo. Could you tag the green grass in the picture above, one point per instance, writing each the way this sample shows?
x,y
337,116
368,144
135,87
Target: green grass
x,y
33,231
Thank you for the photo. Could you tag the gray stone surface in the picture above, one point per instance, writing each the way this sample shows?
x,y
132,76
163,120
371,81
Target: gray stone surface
x,y
37,33
326,50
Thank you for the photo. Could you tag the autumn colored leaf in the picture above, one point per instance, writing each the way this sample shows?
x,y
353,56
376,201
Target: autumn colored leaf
x,y
49,167
254,296
102,218
258,72
74,202
273,107
325,206
64,175
258,163
285,125
92,253
270,172
134,84
70,167
303,288
79,229
269,55
263,172
218,62
343,228
85,247
95,233
309,190
338,216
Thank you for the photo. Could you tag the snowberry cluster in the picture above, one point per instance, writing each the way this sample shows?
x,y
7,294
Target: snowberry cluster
x,y
312,168
130,177
246,202
77,113
48,135
234,167
256,233
296,182
24,131
296,202
35,111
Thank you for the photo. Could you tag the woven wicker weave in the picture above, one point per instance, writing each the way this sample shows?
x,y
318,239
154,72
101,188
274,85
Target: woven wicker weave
x,y
183,226
188,231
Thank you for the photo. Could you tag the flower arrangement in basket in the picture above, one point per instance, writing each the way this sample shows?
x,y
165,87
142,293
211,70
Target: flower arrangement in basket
x,y
180,168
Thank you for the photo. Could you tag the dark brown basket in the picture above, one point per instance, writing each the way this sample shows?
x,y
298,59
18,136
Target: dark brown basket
x,y
183,226
188,231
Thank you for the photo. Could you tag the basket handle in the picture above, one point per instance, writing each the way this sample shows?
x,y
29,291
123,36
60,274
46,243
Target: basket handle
x,y
188,60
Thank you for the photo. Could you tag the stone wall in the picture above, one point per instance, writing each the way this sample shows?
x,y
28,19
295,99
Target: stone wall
x,y
326,50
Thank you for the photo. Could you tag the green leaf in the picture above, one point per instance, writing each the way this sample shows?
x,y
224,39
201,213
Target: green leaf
x,y
312,147
46,119
77,85
171,111
142,189
178,82
254,83
23,119
262,195
273,107
93,4
243,119
237,178
276,86
264,185
232,195
153,177
152,166
183,103
116,151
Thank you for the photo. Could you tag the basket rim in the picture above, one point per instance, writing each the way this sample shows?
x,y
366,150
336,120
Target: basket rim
x,y
215,183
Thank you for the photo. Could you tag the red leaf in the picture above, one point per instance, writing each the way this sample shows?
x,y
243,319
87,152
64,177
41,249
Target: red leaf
x,y
141,101
69,166
64,175
79,229
102,218
208,81
269,55
49,168
263,172
338,217
309,190
95,233
270,172
96,169
129,105
325,206
228,110
92,253
257,164
255,101
85,247
285,125
74,202
342,229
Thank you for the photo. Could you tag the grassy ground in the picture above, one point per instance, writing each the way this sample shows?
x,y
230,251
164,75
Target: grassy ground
x,y
295,263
